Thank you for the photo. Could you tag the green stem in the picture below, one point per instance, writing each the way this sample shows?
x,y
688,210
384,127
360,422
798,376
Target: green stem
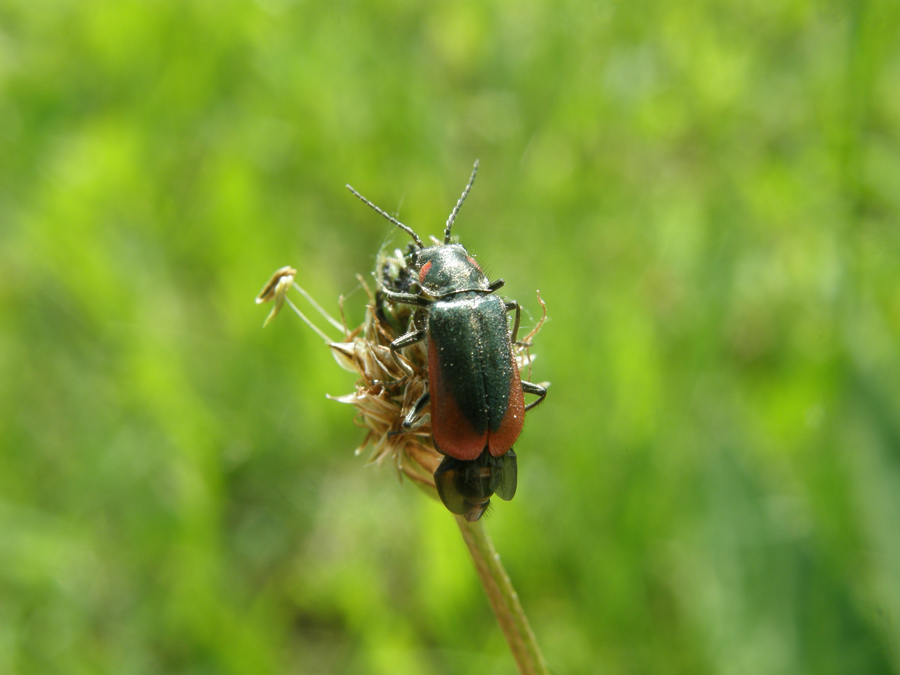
x,y
504,599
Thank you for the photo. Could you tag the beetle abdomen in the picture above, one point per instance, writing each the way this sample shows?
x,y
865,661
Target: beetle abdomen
x,y
476,391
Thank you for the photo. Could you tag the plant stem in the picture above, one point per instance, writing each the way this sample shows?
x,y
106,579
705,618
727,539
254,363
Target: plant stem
x,y
504,599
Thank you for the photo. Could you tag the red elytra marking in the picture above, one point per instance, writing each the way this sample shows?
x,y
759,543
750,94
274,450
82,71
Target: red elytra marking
x,y
424,271
472,260
452,432
500,441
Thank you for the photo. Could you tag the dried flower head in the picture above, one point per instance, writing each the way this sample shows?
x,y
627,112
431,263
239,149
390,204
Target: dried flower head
x,y
386,391
276,289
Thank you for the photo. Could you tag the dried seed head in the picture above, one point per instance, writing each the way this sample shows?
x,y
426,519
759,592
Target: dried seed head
x,y
385,394
276,288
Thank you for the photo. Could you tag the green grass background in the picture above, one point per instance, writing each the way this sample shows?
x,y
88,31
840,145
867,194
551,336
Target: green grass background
x,y
706,194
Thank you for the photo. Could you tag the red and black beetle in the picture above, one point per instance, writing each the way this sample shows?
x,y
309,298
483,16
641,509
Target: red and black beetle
x,y
474,387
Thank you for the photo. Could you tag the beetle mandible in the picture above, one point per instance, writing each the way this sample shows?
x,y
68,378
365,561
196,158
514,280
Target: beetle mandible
x,y
474,387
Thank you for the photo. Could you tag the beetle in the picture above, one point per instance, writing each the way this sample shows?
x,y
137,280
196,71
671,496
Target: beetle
x,y
475,391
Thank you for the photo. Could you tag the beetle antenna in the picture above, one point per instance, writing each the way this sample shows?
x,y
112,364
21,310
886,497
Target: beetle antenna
x,y
405,228
459,204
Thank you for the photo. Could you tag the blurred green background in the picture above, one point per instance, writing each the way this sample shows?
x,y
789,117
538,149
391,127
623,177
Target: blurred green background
x,y
707,196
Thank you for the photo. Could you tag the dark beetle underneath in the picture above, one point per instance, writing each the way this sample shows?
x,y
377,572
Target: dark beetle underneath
x,y
474,388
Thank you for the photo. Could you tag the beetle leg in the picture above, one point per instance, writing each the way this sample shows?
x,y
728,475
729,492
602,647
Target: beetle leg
x,y
410,338
410,422
406,298
537,390
495,285
404,341
510,306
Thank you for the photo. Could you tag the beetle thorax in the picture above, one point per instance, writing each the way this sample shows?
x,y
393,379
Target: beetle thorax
x,y
447,269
